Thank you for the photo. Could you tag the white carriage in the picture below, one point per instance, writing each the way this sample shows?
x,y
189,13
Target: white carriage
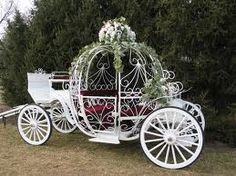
x,y
105,100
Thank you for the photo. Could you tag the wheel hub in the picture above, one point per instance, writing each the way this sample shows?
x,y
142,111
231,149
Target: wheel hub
x,y
34,125
170,138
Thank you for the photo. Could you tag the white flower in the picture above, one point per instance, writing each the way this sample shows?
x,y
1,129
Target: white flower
x,y
164,88
162,80
116,31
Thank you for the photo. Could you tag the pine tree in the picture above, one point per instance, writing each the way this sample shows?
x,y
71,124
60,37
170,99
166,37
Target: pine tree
x,y
13,74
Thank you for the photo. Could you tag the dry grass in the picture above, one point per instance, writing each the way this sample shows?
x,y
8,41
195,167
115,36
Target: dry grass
x,y
73,154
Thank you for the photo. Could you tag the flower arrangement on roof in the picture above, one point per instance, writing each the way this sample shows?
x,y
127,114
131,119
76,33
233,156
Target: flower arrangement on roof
x,y
116,30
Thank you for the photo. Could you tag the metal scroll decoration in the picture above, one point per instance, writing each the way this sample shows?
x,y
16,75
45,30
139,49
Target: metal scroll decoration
x,y
40,71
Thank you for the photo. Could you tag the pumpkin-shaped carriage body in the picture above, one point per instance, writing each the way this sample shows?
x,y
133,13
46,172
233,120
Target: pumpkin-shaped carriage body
x,y
108,95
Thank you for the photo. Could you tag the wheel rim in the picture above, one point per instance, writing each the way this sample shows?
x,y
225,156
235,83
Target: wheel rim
x,y
59,120
196,113
34,125
171,138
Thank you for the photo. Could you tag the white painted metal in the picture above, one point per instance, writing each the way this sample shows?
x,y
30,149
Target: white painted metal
x,y
193,109
106,138
38,87
59,119
11,112
125,113
171,138
34,125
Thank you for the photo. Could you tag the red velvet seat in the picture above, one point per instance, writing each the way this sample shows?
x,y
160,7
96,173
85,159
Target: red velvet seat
x,y
99,93
133,111
98,109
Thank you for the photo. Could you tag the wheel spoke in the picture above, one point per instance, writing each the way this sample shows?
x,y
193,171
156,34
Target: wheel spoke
x,y
59,123
29,113
62,124
173,122
163,127
180,124
26,128
154,140
28,131
185,128
155,147
160,152
66,125
37,134
54,113
167,154
40,133
39,118
167,121
158,129
173,154
36,112
26,115
34,136
185,148
31,133
188,142
42,121
42,129
42,125
180,153
27,124
25,120
56,120
154,134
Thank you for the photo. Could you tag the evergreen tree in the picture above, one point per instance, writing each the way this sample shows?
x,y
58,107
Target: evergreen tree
x,y
13,73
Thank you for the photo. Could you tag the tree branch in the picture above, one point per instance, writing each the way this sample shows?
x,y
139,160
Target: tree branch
x,y
7,13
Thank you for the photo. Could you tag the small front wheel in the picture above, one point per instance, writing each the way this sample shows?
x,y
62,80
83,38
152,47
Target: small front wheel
x,y
171,138
34,125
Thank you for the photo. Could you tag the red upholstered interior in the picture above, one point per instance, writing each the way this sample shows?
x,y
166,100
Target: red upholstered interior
x,y
60,77
99,93
133,111
99,108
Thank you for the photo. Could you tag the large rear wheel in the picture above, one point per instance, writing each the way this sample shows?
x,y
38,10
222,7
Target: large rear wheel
x,y
171,138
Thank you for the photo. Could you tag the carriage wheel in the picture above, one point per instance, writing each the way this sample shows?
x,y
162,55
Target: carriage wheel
x,y
59,120
196,112
171,138
34,125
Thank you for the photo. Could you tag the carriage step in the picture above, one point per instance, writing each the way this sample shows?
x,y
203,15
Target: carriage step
x,y
106,138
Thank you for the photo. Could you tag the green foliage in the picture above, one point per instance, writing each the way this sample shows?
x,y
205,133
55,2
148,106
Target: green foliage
x,y
13,73
198,42
156,88
222,127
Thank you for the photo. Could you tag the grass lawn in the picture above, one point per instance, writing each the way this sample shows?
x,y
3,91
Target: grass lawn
x,y
73,154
